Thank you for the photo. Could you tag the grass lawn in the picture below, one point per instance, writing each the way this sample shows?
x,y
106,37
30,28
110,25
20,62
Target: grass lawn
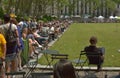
x,y
77,37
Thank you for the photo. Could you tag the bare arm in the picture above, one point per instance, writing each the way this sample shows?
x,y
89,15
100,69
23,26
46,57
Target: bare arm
x,y
3,47
17,35
4,50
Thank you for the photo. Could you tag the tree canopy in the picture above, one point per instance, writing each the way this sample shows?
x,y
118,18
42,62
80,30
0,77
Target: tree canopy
x,y
42,7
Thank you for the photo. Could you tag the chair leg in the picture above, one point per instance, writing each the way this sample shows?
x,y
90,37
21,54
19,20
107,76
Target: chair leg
x,y
105,75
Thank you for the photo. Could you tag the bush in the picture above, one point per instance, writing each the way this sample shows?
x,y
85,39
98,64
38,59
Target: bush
x,y
47,18
1,12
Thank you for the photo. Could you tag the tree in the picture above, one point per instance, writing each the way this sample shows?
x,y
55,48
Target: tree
x,y
116,1
60,4
42,7
93,5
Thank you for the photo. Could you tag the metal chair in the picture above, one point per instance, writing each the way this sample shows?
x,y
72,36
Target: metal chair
x,y
48,52
80,61
58,56
31,66
92,58
95,56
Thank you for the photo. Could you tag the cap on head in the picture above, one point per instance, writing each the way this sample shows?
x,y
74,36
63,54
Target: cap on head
x,y
12,15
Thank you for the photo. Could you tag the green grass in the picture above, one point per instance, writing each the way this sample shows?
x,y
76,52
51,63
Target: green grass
x,y
77,37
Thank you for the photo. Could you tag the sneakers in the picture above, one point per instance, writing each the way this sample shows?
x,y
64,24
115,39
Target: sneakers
x,y
36,52
31,57
40,46
20,68
13,76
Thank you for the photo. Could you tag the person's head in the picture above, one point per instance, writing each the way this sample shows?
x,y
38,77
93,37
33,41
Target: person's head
x,y
25,30
6,18
93,40
14,21
34,30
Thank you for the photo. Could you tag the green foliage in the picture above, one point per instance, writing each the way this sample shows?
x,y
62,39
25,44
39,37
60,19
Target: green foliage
x,y
38,7
1,13
47,18
18,18
116,1
110,4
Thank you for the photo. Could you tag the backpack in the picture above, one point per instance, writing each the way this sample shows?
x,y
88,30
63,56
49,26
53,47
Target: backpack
x,y
10,37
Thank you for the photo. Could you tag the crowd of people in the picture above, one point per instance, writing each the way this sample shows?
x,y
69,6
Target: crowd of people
x,y
12,34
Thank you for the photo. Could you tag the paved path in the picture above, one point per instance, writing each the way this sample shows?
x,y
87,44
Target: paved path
x,y
86,74
106,72
102,74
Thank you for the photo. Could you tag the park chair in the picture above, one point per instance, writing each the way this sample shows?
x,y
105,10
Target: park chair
x,y
95,56
80,61
46,53
92,58
31,66
32,63
58,57
88,58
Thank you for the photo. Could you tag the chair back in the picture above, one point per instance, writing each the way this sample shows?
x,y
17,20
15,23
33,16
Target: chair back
x,y
59,56
93,55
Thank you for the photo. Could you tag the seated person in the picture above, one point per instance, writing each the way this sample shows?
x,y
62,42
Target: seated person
x,y
41,40
33,44
93,48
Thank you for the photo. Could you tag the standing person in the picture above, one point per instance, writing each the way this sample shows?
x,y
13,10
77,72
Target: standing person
x,y
93,48
2,55
21,47
10,30
25,52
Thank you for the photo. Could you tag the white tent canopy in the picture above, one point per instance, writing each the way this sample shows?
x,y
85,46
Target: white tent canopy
x,y
111,17
116,17
100,17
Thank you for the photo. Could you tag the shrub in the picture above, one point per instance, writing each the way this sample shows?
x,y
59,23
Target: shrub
x,y
1,12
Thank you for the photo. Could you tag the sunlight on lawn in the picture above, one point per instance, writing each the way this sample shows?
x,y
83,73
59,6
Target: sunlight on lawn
x,y
77,35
